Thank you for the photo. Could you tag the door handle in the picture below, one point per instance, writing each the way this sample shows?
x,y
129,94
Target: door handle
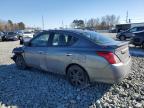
x,y
68,54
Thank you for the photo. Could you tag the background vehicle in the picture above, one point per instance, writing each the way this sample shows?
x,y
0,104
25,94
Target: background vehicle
x,y
10,36
26,36
20,34
129,33
1,35
83,56
138,39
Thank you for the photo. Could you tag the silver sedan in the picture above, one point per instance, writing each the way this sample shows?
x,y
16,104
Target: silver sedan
x,y
83,56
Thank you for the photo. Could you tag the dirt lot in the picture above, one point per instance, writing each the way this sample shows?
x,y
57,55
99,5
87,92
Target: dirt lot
x,y
36,89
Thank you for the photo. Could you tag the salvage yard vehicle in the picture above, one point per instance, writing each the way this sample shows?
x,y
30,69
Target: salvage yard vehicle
x,y
26,36
138,39
83,56
1,35
10,36
129,33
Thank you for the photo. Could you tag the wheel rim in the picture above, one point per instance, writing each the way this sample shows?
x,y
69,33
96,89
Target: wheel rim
x,y
76,76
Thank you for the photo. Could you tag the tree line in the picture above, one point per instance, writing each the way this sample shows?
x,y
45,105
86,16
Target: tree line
x,y
104,23
10,26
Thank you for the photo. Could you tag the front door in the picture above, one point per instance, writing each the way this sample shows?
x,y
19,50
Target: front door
x,y
34,52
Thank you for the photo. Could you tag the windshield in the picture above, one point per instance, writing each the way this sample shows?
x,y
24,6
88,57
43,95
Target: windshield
x,y
27,32
98,38
133,29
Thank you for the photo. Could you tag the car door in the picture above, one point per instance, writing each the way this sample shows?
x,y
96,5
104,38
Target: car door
x,y
34,52
60,52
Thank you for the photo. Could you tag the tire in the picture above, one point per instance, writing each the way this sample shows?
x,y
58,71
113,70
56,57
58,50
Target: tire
x,y
122,38
20,63
77,76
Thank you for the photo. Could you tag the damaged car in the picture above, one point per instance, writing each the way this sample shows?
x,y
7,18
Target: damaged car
x,y
83,56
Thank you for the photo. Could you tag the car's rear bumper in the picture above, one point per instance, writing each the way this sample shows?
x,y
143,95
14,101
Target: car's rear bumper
x,y
121,70
110,74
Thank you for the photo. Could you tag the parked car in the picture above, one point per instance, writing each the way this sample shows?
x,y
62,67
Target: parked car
x,y
20,34
1,35
129,33
26,36
138,39
83,56
10,36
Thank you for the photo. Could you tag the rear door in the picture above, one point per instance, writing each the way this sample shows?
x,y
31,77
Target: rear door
x,y
60,53
34,52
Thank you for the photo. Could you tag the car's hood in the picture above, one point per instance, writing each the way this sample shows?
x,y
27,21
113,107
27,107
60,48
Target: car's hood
x,y
122,32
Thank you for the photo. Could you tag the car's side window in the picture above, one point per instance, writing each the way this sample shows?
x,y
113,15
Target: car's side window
x,y
133,29
63,40
140,28
40,41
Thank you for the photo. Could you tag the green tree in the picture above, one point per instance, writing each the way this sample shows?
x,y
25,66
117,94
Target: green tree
x,y
78,24
21,26
10,25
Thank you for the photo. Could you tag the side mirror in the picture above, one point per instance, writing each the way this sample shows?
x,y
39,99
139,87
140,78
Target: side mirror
x,y
26,41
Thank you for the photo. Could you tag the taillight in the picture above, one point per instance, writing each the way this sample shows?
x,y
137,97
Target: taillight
x,y
109,56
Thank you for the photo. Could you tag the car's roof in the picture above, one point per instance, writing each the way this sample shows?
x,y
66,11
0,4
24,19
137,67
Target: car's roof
x,y
78,31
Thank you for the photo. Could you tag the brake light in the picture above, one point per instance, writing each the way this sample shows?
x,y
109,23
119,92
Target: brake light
x,y
109,56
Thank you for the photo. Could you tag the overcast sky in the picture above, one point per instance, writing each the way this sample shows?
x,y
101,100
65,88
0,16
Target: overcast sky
x,y
56,11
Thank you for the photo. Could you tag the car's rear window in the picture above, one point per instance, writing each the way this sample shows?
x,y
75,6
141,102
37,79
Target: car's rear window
x,y
11,33
98,38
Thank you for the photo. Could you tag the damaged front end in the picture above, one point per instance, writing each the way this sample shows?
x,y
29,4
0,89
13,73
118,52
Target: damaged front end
x,y
17,51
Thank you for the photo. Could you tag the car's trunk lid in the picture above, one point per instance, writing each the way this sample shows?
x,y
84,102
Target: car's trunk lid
x,y
121,50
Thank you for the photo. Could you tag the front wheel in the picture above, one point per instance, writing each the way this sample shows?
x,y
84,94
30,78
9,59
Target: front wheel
x,y
77,76
20,63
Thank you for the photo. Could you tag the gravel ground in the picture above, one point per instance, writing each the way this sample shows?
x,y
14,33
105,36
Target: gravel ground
x,y
36,89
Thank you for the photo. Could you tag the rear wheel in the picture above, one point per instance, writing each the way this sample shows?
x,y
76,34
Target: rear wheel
x,y
122,38
77,76
20,62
